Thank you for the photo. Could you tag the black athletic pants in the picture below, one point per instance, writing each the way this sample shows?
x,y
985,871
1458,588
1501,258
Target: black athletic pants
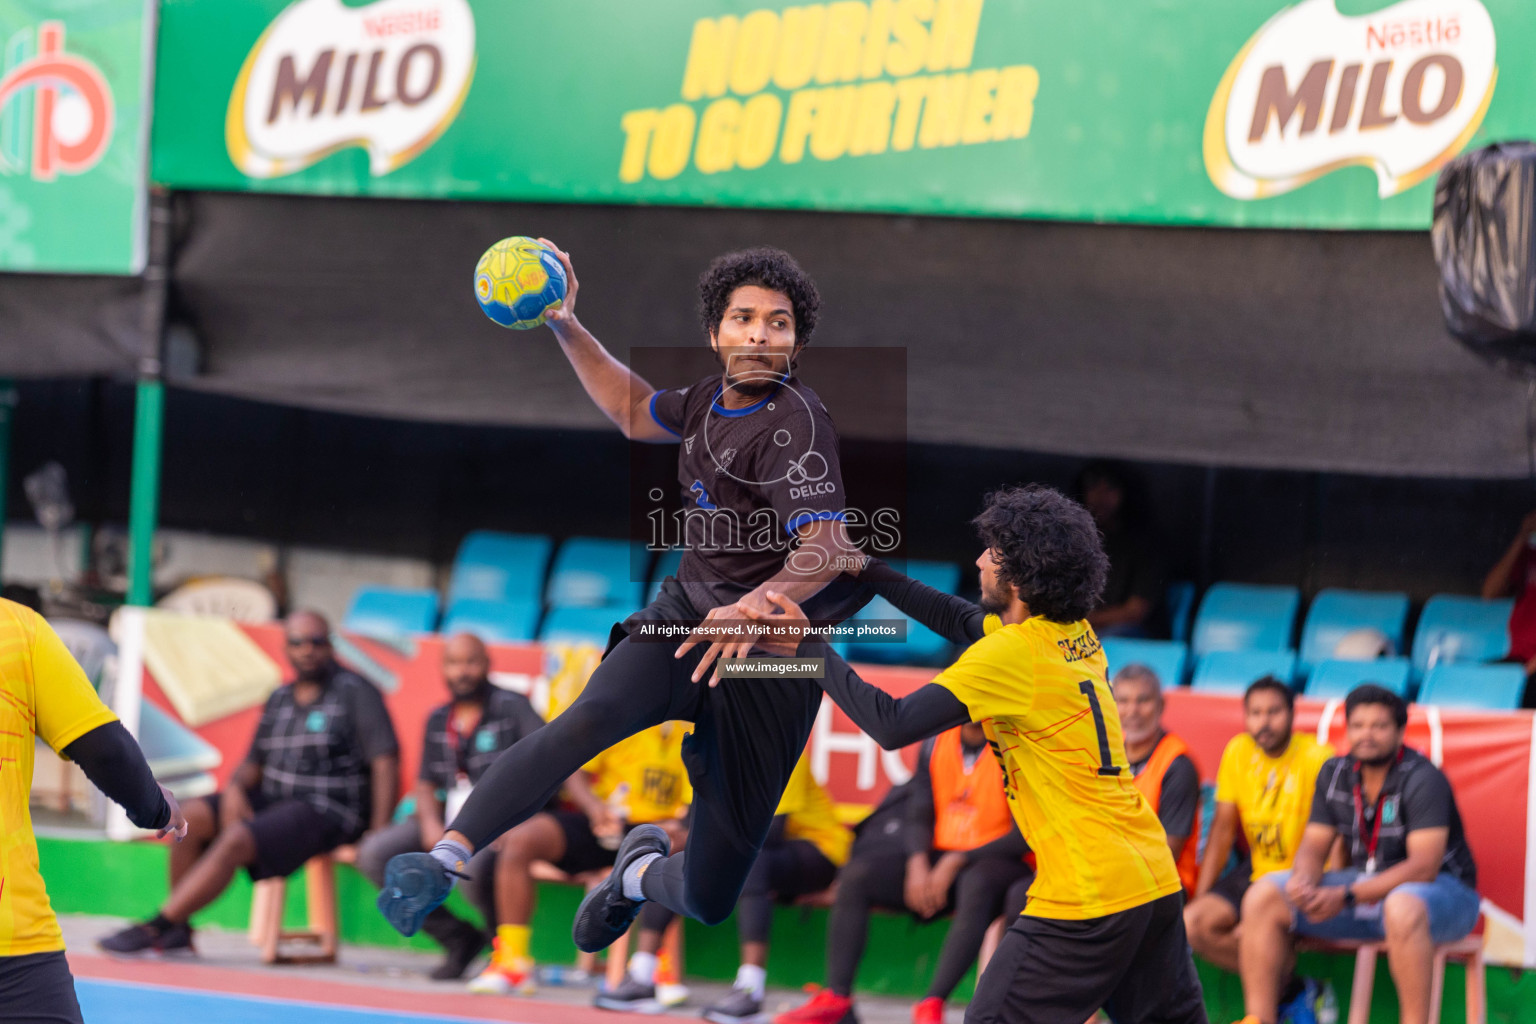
x,y
37,989
1135,965
781,872
875,879
747,736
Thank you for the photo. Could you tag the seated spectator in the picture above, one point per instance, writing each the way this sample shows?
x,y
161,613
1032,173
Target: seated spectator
x,y
1134,591
1165,773
1514,575
805,847
462,738
322,768
1264,786
1412,882
959,852
637,781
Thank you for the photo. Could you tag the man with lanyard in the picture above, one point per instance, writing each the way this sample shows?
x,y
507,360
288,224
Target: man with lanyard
x,y
1160,761
462,738
1413,883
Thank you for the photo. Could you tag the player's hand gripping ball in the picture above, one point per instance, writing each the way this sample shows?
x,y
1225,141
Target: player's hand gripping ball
x,y
517,281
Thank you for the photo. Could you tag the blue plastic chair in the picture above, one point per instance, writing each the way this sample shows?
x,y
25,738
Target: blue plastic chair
x,y
590,572
1181,609
1168,658
495,622
1453,628
1245,617
1334,677
1485,687
1233,671
1335,613
391,612
499,567
666,565
581,625
922,646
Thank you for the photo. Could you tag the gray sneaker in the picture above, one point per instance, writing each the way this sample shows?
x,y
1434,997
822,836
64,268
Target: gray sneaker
x,y
739,1007
629,996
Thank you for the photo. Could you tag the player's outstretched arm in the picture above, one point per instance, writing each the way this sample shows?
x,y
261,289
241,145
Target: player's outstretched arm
x,y
115,765
622,395
955,619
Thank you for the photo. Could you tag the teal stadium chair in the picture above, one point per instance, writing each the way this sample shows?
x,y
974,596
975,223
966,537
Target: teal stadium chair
x,y
1181,609
1482,687
1168,658
571,625
495,622
499,567
1232,671
666,565
1335,613
1453,628
1245,617
922,646
591,572
1334,677
391,612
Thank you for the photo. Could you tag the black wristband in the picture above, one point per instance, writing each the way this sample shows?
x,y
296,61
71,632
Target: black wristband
x,y
1349,897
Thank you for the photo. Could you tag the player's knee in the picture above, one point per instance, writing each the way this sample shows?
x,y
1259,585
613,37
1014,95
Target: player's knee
x,y
1404,915
235,845
1265,901
711,909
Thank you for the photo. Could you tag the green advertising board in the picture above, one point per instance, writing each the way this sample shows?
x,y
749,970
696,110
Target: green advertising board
x,y
1323,113
73,120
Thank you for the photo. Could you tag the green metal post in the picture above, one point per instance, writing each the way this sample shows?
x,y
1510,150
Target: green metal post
x,y
7,403
144,493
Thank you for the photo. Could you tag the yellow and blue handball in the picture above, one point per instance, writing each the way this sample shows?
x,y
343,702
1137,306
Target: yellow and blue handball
x,y
517,281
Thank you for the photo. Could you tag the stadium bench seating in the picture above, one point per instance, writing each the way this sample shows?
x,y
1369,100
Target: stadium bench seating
x,y
1335,613
1334,677
1181,609
1168,658
1232,671
391,612
582,625
494,566
1245,617
1455,628
922,646
1486,687
589,572
495,622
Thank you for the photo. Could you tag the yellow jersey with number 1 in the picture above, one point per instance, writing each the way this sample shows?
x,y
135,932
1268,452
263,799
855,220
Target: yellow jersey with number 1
x,y
1041,690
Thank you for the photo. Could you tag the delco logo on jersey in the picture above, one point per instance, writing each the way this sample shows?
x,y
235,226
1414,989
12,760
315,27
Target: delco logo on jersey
x,y
56,110
1401,90
389,77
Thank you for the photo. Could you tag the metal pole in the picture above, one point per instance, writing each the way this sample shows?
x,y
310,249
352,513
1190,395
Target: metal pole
x,y
149,413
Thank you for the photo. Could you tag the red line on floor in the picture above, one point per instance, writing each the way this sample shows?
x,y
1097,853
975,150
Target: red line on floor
x,y
359,995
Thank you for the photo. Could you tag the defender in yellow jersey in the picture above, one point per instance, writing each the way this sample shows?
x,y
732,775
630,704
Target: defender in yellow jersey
x,y
44,695
1265,786
1104,926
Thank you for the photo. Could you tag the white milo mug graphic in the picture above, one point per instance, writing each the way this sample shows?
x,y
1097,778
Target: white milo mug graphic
x,y
389,77
1401,90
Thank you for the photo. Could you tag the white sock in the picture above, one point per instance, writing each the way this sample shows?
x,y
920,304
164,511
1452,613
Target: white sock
x,y
752,978
642,967
630,883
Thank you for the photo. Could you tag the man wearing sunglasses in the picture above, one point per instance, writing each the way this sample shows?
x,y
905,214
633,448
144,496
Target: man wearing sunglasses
x,y
322,770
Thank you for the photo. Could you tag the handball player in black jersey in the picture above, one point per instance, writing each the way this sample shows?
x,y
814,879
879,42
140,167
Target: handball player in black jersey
x,y
764,509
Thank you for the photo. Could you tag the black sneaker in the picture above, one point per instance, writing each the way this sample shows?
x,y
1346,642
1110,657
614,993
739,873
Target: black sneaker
x,y
463,946
147,940
629,996
415,884
607,913
739,1007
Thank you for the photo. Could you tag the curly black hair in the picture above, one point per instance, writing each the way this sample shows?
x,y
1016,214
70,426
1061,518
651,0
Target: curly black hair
x,y
764,266
1048,546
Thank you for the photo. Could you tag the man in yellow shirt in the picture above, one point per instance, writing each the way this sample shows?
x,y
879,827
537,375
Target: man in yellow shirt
x,y
1264,785
1104,926
44,695
637,781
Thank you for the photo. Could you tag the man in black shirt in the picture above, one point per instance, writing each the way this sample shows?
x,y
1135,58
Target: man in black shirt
x,y
759,471
463,738
1412,882
323,768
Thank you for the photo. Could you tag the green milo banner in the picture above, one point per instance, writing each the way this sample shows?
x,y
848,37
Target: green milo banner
x,y
73,119
1323,113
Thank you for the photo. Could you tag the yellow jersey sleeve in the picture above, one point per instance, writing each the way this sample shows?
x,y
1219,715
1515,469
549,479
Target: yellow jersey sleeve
x,y
986,677
67,705
811,815
1229,772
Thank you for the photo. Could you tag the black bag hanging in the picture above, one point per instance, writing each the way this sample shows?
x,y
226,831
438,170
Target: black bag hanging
x,y
1484,237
